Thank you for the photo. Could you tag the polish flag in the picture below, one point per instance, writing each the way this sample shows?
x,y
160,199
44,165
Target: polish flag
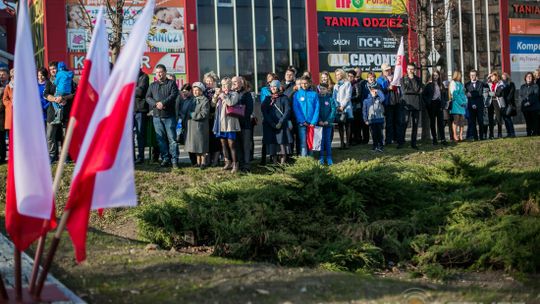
x,y
93,79
29,194
104,173
400,65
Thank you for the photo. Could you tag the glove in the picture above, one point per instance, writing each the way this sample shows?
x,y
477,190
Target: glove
x,y
278,126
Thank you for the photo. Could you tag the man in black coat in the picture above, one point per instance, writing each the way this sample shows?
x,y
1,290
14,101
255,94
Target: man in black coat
x,y
411,105
161,97
474,90
359,130
4,80
55,132
140,114
244,142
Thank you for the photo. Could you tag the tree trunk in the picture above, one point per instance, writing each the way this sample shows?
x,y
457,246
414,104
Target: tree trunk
x,y
116,13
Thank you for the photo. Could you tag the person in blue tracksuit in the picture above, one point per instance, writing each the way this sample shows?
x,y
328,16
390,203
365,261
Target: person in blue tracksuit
x,y
306,111
327,113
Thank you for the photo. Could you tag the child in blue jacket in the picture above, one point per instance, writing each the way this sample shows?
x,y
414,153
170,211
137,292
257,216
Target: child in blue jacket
x,y
306,111
373,112
327,113
62,81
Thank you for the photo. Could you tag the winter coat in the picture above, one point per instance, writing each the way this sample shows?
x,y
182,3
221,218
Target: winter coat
x,y
342,94
197,140
373,109
384,86
498,100
509,93
327,108
245,98
7,100
63,80
226,123
143,82
356,95
165,92
530,97
2,108
288,89
459,100
49,91
272,117
44,102
306,107
476,91
412,91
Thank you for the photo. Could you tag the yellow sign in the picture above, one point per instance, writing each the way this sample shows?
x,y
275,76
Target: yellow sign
x,y
396,7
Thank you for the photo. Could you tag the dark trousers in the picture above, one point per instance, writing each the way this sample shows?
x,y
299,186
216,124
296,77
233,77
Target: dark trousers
x,y
139,123
377,134
54,136
476,117
509,125
3,147
494,116
532,122
436,120
391,118
406,115
359,129
243,148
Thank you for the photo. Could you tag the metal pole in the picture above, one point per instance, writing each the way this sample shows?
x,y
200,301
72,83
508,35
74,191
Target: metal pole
x,y
461,42
272,36
474,34
289,25
217,37
253,28
235,28
432,37
487,38
448,32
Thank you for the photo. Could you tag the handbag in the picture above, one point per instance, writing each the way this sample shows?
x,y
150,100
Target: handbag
x,y
510,110
238,110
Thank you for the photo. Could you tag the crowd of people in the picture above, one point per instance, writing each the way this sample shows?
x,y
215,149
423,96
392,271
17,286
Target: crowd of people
x,y
214,118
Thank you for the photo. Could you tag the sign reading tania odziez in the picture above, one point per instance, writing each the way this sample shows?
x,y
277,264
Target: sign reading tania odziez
x,y
359,33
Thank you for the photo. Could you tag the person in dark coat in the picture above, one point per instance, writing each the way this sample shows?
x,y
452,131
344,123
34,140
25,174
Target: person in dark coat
x,y
246,134
411,105
434,103
474,90
197,125
184,103
161,97
211,81
530,104
359,132
510,105
276,112
140,115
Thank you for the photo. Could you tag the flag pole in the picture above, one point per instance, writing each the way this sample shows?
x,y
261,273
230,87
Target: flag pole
x,y
18,275
61,226
37,258
3,291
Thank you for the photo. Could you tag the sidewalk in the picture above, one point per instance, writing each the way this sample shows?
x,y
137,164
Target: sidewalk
x,y
6,269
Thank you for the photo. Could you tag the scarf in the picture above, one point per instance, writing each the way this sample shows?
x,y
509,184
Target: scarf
x,y
274,98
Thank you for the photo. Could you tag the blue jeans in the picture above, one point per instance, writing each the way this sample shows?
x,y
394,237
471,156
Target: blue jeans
x,y
509,125
302,138
166,137
326,143
139,122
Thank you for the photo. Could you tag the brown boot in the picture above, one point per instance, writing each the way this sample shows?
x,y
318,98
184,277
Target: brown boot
x,y
235,167
228,165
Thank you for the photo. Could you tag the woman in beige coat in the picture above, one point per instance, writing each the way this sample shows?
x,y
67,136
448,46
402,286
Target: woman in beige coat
x,y
226,126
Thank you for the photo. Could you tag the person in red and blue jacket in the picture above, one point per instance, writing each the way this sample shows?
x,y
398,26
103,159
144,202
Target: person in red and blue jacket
x,y
306,110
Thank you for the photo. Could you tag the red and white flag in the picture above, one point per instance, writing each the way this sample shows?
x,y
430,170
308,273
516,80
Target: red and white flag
x,y
104,173
94,76
400,65
29,194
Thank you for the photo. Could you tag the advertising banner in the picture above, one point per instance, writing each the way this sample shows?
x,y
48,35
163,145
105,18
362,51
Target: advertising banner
x,y
396,7
165,42
524,53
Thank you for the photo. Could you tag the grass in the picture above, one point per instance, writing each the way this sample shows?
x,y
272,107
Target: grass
x,y
120,269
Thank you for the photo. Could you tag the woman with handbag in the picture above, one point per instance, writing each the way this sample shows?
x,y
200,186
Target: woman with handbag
x,y
197,125
226,125
529,94
277,127
510,109
459,104
211,81
496,88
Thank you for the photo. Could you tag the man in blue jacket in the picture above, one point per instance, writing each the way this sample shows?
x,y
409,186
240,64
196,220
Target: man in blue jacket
x,y
306,110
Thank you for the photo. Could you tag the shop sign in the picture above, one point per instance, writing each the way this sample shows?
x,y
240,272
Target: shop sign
x,y
363,6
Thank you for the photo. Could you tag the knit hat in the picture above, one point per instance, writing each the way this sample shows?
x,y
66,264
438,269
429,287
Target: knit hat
x,y
199,85
275,83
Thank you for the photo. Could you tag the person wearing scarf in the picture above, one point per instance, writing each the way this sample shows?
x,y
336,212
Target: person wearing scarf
x,y
276,112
